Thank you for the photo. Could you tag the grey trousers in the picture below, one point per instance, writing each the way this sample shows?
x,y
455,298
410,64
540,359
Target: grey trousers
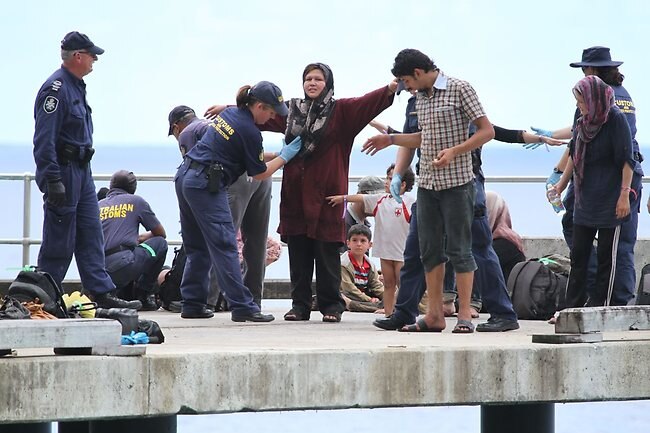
x,y
250,205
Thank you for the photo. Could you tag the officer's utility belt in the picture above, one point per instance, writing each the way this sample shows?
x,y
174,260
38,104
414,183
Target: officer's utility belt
x,y
214,173
120,248
80,154
638,156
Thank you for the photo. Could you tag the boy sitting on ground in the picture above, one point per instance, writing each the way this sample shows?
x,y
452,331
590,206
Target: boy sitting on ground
x,y
360,286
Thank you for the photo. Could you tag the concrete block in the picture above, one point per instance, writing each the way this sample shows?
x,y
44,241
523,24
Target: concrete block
x,y
603,319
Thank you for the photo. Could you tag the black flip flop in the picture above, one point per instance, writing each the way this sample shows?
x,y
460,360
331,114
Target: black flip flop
x,y
420,326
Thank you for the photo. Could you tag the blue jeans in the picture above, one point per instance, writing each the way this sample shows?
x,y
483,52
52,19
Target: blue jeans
x,y
488,279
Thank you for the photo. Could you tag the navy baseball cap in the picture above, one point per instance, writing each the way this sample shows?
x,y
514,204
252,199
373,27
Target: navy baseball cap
x,y
78,41
177,114
596,57
270,94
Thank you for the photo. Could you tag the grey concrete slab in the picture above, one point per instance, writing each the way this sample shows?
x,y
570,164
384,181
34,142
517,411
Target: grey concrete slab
x,y
216,365
603,319
16,334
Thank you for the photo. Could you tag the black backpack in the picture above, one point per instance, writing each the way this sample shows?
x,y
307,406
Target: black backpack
x,y
536,291
170,288
32,284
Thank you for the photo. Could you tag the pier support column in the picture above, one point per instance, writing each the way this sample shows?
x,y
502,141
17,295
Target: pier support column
x,y
74,427
158,424
34,427
517,418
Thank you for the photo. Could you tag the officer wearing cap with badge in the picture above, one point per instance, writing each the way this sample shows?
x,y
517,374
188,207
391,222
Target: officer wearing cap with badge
x,y
132,257
231,146
62,152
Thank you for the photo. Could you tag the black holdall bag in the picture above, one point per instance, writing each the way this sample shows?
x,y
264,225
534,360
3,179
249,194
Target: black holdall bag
x,y
643,293
536,291
32,283
170,288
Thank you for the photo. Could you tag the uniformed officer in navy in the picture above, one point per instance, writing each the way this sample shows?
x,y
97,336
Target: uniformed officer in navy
x,y
132,258
231,146
250,205
62,152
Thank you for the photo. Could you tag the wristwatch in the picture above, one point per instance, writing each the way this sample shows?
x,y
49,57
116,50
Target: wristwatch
x,y
557,170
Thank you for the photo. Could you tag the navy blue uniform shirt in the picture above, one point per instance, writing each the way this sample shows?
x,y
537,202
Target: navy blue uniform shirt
x,y
191,134
122,214
233,140
62,117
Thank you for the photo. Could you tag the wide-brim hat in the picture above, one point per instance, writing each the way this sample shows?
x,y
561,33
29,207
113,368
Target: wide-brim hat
x,y
595,57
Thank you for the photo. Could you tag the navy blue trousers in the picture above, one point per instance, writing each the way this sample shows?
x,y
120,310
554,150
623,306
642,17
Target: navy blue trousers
x,y
210,240
138,266
75,228
488,278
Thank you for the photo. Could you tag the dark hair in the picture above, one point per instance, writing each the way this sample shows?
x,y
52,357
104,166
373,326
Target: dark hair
x,y
360,230
408,176
101,194
408,60
610,75
244,97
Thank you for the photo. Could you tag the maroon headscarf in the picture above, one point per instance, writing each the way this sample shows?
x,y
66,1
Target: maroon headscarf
x,y
599,98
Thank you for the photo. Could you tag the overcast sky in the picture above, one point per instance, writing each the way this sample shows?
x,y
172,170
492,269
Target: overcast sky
x,y
163,53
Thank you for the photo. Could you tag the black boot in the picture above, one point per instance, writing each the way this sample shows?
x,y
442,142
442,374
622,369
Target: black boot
x,y
149,303
109,300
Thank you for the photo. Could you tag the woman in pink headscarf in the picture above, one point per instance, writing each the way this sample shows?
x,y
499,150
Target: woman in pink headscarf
x,y
506,242
601,162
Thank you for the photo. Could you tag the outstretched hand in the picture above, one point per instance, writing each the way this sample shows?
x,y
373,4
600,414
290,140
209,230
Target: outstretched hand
x,y
540,131
396,187
335,200
376,143
214,111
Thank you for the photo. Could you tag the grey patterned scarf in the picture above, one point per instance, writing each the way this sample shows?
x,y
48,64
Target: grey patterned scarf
x,y
308,117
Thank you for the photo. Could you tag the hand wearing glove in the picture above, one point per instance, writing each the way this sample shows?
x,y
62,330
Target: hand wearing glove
x,y
56,193
544,132
532,146
554,177
290,150
396,187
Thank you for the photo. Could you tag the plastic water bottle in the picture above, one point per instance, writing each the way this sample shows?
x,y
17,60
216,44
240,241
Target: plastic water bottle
x,y
554,198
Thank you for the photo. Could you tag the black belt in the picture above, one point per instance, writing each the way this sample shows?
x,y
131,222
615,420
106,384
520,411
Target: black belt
x,y
81,154
118,249
195,164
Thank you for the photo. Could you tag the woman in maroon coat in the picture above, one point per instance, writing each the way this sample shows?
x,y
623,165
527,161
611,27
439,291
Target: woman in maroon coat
x,y
313,230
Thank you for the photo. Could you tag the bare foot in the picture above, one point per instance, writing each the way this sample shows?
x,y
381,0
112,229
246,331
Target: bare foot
x,y
474,313
449,309
380,311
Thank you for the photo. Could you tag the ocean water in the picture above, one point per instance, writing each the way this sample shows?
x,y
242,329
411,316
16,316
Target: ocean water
x,y
531,214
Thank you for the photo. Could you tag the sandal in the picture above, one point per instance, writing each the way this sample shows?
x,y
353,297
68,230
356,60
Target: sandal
x,y
295,316
332,317
463,327
419,326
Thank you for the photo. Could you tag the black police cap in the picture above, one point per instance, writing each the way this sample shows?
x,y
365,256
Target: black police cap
x,y
78,41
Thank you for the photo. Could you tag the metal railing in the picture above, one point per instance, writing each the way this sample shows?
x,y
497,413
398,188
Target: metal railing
x,y
27,178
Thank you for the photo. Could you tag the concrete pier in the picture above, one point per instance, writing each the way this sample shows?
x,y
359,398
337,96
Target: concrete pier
x,y
218,366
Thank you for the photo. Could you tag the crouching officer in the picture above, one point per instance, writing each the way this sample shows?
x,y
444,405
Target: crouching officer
x,y
62,152
132,259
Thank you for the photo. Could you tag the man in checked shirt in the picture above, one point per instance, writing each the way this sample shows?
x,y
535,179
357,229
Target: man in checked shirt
x,y
445,107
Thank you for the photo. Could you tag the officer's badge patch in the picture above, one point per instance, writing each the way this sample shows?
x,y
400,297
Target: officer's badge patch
x,y
56,85
50,104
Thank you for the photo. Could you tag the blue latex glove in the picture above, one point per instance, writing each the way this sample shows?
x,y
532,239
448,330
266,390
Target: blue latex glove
x,y
396,186
532,146
553,178
290,150
135,338
544,132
